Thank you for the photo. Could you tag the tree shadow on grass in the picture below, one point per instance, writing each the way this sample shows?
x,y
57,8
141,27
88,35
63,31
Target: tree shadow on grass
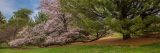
x,y
18,48
5,48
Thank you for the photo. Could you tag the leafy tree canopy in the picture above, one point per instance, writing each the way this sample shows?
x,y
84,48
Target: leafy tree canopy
x,y
128,17
20,18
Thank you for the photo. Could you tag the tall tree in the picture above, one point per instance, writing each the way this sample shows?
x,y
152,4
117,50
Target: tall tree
x,y
119,10
19,19
2,21
2,18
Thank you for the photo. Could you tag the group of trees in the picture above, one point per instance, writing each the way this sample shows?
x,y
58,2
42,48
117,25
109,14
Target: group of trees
x,y
19,20
129,17
57,30
92,17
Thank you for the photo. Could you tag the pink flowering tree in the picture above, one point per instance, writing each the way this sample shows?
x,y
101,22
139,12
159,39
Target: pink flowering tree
x,y
54,31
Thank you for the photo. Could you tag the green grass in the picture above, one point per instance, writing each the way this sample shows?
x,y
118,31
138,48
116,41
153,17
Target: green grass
x,y
154,48
117,35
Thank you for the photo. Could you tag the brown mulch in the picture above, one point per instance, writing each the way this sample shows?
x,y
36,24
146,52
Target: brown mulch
x,y
118,41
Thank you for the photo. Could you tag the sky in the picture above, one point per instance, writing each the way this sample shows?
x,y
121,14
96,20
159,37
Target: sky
x,y
7,7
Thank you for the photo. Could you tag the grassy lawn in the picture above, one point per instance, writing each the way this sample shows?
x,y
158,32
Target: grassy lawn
x,y
102,48
154,48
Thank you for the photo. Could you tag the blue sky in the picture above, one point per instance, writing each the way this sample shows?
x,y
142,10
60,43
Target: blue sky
x,y
7,7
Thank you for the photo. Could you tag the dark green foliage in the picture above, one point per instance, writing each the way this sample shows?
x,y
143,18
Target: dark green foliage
x,y
93,27
136,26
129,17
41,17
20,18
2,21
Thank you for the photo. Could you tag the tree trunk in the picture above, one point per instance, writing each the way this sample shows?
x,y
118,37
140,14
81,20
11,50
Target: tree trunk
x,y
98,36
126,37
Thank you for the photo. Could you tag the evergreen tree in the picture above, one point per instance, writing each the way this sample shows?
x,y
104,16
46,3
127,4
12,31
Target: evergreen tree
x,y
120,13
19,20
2,21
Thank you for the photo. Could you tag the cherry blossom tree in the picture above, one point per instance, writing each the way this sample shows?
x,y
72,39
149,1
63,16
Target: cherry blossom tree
x,y
53,31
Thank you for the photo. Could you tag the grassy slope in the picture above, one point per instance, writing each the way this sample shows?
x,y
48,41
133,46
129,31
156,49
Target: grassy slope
x,y
154,48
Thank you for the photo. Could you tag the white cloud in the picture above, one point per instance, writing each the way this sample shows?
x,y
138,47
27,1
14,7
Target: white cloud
x,y
35,12
6,8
